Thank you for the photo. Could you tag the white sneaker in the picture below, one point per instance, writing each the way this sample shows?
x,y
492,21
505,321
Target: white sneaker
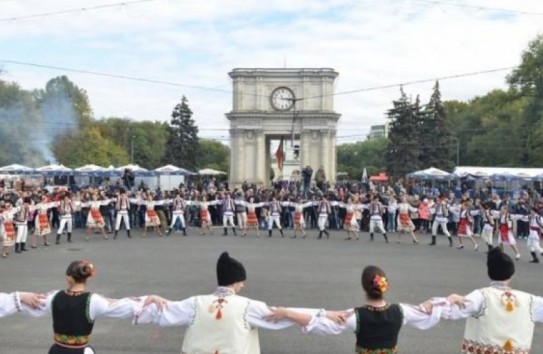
x,y
476,247
460,247
517,257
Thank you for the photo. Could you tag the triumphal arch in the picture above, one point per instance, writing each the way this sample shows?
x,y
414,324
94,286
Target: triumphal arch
x,y
295,106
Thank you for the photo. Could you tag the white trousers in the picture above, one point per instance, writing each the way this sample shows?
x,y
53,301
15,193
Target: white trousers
x,y
65,222
242,220
436,224
274,219
120,217
488,234
377,224
228,218
177,216
533,243
22,232
321,221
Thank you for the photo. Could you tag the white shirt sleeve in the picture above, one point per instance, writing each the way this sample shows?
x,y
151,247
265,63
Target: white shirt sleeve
x,y
42,311
537,309
418,318
121,308
473,306
9,304
176,313
258,310
321,325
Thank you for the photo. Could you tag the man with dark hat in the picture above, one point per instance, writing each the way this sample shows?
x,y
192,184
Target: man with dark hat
x,y
222,322
499,318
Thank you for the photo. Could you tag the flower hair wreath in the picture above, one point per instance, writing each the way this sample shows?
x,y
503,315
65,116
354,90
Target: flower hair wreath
x,y
380,283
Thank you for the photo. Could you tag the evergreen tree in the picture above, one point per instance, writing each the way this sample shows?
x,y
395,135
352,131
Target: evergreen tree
x,y
404,150
182,144
436,142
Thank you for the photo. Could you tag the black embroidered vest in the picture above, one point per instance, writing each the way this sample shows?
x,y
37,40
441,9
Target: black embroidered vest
x,y
71,321
378,328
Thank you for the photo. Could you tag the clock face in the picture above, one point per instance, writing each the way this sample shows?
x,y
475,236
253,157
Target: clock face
x,y
282,99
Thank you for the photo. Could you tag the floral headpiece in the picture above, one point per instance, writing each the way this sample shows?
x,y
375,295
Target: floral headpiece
x,y
91,267
380,283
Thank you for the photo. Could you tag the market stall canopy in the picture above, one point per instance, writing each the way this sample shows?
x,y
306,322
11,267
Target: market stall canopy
x,y
210,172
136,169
430,173
16,169
381,177
54,170
173,170
90,170
504,173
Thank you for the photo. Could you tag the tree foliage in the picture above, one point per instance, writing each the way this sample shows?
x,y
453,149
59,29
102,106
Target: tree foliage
x,y
182,143
369,154
213,154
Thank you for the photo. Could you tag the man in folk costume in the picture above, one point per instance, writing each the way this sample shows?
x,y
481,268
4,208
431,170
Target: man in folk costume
x,y
536,226
441,218
219,323
376,218
505,228
21,220
228,209
275,216
488,224
122,205
178,213
66,210
500,320
324,209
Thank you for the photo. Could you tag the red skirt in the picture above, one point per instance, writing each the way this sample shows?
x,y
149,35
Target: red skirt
x,y
298,219
252,220
464,228
204,215
9,230
42,225
97,218
348,219
152,218
504,232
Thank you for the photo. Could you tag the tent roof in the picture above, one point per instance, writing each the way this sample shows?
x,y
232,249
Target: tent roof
x,y
90,168
210,172
15,167
54,168
133,167
463,171
379,177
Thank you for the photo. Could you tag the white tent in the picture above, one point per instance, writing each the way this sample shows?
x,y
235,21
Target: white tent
x,y
90,168
524,173
54,170
430,173
16,169
133,167
172,170
210,172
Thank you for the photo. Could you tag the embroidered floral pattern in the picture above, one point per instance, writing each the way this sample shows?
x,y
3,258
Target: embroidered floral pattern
x,y
509,300
71,340
470,346
360,350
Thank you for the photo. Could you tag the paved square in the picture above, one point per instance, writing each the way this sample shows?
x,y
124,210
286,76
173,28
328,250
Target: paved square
x,y
290,272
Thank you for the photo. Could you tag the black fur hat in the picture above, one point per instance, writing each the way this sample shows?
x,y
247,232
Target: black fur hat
x,y
229,270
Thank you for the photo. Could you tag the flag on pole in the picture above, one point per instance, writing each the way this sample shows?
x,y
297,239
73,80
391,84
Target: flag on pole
x,y
280,155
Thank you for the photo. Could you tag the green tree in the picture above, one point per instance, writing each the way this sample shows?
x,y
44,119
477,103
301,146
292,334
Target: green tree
x,y
435,137
369,154
213,154
404,150
182,144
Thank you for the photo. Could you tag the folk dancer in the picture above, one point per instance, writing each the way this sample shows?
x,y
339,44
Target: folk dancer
x,y
122,205
21,220
66,210
441,218
221,322
75,310
252,219
324,209
466,224
228,209
178,213
376,218
350,224
205,216
405,224
299,221
11,303
8,228
275,216
41,222
499,319
534,238
376,324
488,225
151,217
505,228
94,218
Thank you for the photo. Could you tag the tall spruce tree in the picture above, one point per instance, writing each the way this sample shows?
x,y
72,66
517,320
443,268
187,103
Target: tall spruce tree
x,y
436,142
182,144
404,150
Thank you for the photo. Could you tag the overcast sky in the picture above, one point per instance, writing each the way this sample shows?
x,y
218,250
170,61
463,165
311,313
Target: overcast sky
x,y
196,43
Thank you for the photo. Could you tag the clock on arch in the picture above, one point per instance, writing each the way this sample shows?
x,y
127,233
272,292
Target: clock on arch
x,y
282,98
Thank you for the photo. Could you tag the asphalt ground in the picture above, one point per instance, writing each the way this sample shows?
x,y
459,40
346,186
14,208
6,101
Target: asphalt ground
x,y
281,271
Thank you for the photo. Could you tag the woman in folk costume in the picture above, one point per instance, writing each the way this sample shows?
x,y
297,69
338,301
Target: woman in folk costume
x,y
466,223
11,303
42,227
499,319
219,323
505,228
151,218
350,224
122,206
299,222
405,224
252,219
440,210
21,220
8,228
94,218
376,324
535,222
205,216
66,210
75,310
